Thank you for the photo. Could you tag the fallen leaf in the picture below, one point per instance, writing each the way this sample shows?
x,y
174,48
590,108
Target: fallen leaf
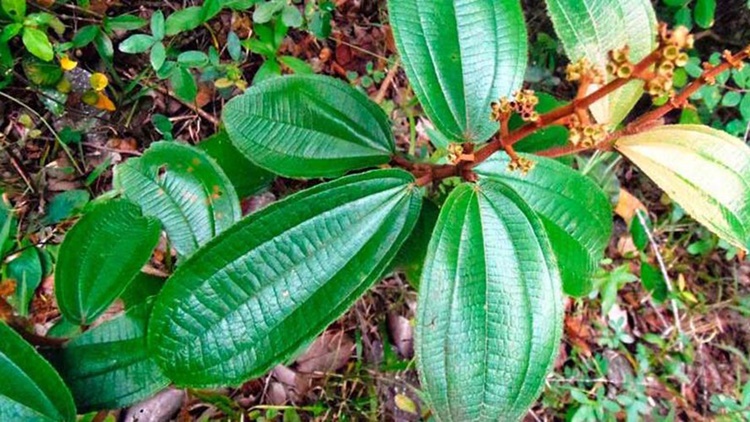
x,y
627,206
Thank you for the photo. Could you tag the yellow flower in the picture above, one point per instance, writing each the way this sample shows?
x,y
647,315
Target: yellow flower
x,y
99,81
67,64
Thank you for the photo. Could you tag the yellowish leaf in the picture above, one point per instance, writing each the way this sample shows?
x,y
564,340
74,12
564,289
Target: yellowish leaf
x,y
67,64
406,404
104,103
705,170
627,205
99,81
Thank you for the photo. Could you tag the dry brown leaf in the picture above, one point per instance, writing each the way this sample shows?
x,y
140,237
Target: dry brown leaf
x,y
328,353
627,205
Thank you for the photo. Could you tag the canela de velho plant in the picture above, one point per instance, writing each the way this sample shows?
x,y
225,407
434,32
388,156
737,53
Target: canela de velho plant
x,y
518,231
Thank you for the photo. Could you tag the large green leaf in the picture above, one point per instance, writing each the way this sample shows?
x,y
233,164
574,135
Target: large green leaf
x,y
108,367
246,177
575,212
183,188
308,126
459,57
100,255
591,28
30,390
705,170
272,282
490,307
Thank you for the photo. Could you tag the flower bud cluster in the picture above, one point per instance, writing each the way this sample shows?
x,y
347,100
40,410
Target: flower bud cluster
x,y
524,165
524,103
672,44
455,152
619,64
585,135
583,69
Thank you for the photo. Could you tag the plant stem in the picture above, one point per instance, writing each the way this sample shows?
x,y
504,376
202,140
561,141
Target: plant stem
x,y
427,173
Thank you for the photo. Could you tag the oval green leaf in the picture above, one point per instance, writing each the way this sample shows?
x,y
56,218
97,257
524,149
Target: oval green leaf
x,y
460,56
490,310
185,189
100,255
308,126
575,212
591,28
31,389
272,282
108,367
705,170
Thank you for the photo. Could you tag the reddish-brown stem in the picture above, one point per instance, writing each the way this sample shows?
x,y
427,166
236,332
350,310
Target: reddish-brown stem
x,y
505,139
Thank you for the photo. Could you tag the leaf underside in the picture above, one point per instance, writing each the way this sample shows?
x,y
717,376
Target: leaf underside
x,y
705,170
591,28
272,282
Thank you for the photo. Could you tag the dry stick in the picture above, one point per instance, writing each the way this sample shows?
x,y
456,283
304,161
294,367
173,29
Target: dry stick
x,y
380,96
187,104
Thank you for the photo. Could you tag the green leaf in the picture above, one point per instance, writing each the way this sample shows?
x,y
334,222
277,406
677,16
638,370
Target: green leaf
x,y
157,25
184,84
193,58
460,57
308,126
291,16
104,46
704,12
8,223
158,56
640,228
653,281
138,43
41,73
143,287
85,36
15,9
591,28
183,188
37,43
548,137
731,99
234,46
490,314
296,65
186,19
272,282
264,12
410,258
704,170
31,389
64,205
247,178
124,23
26,271
100,255
745,107
268,70
575,212
108,367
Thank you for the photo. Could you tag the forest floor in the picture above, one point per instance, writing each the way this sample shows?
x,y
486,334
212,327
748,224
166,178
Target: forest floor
x,y
624,354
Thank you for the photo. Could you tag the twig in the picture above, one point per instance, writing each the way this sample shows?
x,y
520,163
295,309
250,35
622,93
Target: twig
x,y
380,96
